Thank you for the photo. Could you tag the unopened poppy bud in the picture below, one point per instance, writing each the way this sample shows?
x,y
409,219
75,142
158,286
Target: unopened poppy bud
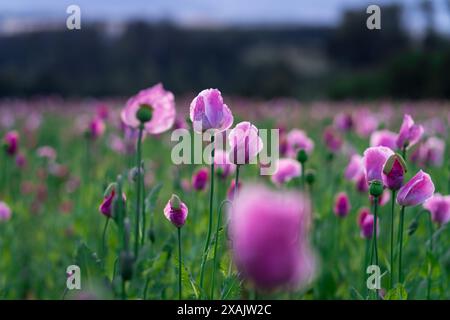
x,y
310,176
376,188
144,114
176,211
393,172
302,156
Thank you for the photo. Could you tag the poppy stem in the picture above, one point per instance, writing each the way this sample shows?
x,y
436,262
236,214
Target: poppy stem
x,y
179,264
400,247
430,250
391,283
375,224
138,189
211,197
104,239
366,262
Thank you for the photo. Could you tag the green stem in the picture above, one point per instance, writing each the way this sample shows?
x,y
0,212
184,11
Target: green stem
x,y
211,197
430,250
404,152
219,219
400,245
391,283
124,294
138,190
179,264
144,222
366,262
303,176
104,239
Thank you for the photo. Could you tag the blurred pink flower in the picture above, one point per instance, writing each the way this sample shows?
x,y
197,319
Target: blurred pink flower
x,y
374,160
365,122
433,151
383,199
268,233
298,140
223,166
5,212
416,191
200,179
11,141
21,161
384,138
162,104
287,169
176,211
439,207
342,205
410,133
102,111
208,111
106,207
96,128
46,152
361,183
354,168
332,140
343,122
245,143
365,223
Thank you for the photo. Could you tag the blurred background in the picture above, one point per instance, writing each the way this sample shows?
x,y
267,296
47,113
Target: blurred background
x,y
254,48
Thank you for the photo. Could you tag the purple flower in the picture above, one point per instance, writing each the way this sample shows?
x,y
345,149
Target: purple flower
x,y
245,143
287,169
354,168
162,104
21,161
393,172
332,140
298,140
176,211
365,223
439,207
268,232
106,207
223,166
384,138
96,128
11,141
5,212
232,190
343,122
342,205
410,133
374,160
365,123
46,152
416,191
433,151
200,179
209,112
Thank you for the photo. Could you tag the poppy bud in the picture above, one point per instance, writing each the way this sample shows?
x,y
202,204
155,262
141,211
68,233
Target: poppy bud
x,y
393,172
176,211
376,188
144,113
310,176
302,156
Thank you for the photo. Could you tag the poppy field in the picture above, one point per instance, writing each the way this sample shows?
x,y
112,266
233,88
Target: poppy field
x,y
96,204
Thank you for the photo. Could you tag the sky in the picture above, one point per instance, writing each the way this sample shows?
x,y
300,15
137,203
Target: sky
x,y
211,12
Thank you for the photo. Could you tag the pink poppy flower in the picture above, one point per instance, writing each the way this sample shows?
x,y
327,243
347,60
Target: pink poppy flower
x,y
298,140
342,205
365,223
176,211
365,122
96,128
374,160
5,212
11,140
439,207
269,235
354,168
416,191
384,138
200,179
393,172
410,133
46,152
106,207
232,190
433,151
332,140
343,122
208,111
287,169
245,143
162,104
